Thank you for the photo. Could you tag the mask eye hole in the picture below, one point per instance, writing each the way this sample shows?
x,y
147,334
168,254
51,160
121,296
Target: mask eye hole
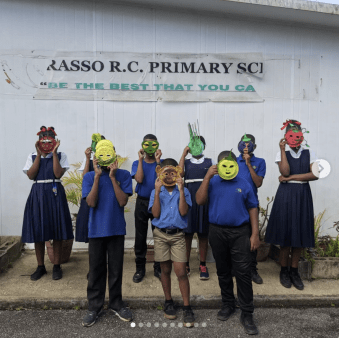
x,y
224,166
108,155
231,166
101,155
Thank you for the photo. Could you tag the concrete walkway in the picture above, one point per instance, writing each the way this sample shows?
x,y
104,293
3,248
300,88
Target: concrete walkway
x,y
18,291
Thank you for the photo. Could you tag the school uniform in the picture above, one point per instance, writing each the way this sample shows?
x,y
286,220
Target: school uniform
x,y
169,237
106,232
259,166
291,222
46,213
81,230
229,237
195,171
141,213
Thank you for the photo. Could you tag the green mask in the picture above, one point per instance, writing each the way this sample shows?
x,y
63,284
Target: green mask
x,y
150,147
196,145
228,168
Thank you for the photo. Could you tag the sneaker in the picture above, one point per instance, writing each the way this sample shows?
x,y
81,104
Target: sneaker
x,y
39,272
170,311
256,277
139,276
57,273
157,273
189,318
204,275
296,280
246,320
90,318
225,312
124,314
285,279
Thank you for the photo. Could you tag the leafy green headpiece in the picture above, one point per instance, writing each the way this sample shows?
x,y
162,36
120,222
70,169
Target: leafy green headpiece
x,y
196,145
95,139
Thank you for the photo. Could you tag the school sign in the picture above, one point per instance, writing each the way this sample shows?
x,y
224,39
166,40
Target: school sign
x,y
136,76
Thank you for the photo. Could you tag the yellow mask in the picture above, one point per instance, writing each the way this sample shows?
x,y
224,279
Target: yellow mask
x,y
169,174
105,153
228,168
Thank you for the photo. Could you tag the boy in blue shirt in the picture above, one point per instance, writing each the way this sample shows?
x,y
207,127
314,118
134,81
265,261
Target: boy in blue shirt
x,y
143,171
106,190
169,203
253,170
233,212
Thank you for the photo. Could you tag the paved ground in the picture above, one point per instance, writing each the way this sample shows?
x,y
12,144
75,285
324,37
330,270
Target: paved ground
x,y
16,284
301,323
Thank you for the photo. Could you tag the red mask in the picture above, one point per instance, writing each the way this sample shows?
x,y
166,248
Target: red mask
x,y
46,140
294,138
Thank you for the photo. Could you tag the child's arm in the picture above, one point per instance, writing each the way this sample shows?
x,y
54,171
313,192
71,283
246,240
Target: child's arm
x,y
300,177
88,160
33,170
156,208
183,206
255,242
284,167
92,197
182,160
139,175
121,196
202,193
257,180
57,169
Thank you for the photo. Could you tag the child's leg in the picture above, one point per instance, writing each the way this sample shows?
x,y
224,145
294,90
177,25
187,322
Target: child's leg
x,y
203,246
166,268
284,254
184,285
57,251
40,252
188,240
296,253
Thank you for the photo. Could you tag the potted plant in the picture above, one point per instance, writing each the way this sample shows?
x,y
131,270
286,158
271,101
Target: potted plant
x,y
73,189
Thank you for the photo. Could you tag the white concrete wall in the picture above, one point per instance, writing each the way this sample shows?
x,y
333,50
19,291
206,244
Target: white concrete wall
x,y
301,82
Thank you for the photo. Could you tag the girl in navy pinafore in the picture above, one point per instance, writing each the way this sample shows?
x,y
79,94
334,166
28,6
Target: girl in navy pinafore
x,y
46,215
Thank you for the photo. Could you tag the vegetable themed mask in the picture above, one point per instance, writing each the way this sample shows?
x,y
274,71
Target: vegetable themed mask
x,y
196,145
295,136
246,145
46,139
169,174
95,139
228,168
150,147
105,153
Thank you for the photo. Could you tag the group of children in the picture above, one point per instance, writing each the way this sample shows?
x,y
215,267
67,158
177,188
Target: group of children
x,y
218,201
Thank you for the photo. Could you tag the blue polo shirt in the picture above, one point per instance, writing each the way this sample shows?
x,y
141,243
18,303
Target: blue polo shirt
x,y
170,216
107,218
229,201
145,188
259,166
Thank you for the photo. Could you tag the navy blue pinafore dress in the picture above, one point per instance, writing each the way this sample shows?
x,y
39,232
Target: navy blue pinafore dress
x,y
291,222
46,215
81,230
198,214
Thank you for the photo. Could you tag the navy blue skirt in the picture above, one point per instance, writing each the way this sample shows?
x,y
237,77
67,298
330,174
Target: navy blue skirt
x,y
46,216
291,222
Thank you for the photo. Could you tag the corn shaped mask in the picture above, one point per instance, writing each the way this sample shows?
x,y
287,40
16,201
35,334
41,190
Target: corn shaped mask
x,y
105,153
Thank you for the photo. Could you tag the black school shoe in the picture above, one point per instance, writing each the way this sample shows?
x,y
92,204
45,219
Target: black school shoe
x,y
296,280
139,275
285,279
225,312
39,272
170,311
246,320
256,277
90,318
57,272
189,318
124,314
